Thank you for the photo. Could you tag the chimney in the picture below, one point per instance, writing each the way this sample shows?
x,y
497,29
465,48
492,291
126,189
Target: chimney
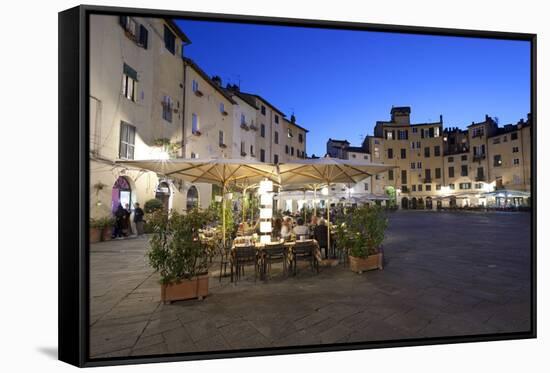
x,y
441,118
217,80
292,118
487,118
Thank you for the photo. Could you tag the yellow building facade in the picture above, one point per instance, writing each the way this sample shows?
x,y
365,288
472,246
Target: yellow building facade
x,y
484,165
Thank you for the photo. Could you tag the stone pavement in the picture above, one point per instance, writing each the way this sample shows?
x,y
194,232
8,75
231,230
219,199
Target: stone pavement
x,y
445,274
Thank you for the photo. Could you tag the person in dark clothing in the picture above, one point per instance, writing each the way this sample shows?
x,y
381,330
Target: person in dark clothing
x,y
119,218
126,226
320,233
138,219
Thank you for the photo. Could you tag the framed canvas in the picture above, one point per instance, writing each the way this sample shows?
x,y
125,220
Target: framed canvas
x,y
236,186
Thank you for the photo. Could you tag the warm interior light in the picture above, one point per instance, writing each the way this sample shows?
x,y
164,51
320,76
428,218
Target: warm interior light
x,y
265,227
266,213
324,191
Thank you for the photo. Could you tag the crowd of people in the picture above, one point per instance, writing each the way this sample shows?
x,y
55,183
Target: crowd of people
x,y
291,228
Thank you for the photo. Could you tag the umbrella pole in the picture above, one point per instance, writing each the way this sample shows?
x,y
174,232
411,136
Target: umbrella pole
x,y
314,200
328,220
304,207
244,196
223,214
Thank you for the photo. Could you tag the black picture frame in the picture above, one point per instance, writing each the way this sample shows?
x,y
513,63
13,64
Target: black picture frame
x,y
74,176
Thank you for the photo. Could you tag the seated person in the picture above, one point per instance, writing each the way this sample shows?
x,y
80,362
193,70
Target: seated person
x,y
285,228
300,229
320,233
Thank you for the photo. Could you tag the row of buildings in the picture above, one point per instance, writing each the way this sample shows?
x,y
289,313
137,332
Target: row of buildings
x,y
148,100
483,165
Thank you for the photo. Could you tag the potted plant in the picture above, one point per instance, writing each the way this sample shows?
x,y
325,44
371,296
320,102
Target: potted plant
x,y
95,230
177,254
365,235
101,229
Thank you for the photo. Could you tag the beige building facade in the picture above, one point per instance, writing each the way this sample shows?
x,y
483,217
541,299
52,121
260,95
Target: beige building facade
x,y
148,101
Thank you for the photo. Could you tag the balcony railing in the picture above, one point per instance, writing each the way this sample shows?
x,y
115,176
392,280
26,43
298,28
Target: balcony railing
x,y
244,126
481,178
427,180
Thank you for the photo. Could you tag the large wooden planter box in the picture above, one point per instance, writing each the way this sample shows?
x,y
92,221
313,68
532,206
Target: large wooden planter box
x,y
187,289
95,234
359,265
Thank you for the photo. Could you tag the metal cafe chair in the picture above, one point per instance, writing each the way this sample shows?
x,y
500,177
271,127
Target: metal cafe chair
x,y
242,256
273,253
304,251
225,257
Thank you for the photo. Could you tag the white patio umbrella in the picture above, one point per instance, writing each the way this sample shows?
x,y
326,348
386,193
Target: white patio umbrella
x,y
220,171
328,171
305,188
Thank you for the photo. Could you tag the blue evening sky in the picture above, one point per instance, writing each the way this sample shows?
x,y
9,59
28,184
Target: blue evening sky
x,y
339,83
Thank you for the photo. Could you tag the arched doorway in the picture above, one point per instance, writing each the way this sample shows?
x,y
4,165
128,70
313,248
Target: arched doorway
x,y
192,198
121,194
420,203
439,204
163,194
413,203
404,203
429,203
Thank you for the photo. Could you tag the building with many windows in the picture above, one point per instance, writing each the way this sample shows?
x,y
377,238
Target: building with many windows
x,y
149,101
484,165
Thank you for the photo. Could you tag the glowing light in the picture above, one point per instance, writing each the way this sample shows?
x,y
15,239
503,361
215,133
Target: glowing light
x,y
324,191
445,189
266,186
265,227
266,213
163,155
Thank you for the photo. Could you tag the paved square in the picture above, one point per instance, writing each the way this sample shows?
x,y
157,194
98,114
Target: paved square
x,y
445,274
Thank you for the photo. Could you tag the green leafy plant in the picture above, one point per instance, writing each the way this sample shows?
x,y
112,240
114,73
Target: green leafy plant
x,y
102,222
153,205
175,251
366,230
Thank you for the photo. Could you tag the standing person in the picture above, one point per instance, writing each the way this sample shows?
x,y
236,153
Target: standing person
x,y
119,216
138,219
126,227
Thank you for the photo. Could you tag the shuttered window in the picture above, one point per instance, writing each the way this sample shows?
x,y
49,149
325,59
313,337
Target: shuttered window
x,y
169,40
127,141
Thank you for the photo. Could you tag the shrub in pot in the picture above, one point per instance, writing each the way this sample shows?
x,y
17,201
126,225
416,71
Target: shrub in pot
x,y
365,234
95,230
177,254
153,205
101,229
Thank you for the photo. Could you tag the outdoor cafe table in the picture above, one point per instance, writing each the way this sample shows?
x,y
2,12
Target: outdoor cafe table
x,y
288,244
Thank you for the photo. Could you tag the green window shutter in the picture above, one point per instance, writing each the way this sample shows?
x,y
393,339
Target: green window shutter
x,y
130,72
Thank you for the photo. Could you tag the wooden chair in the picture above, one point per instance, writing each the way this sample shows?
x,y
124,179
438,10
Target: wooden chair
x,y
241,257
304,251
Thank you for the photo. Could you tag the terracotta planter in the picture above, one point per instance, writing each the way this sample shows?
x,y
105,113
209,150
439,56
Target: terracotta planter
x,y
186,289
106,234
359,265
95,234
